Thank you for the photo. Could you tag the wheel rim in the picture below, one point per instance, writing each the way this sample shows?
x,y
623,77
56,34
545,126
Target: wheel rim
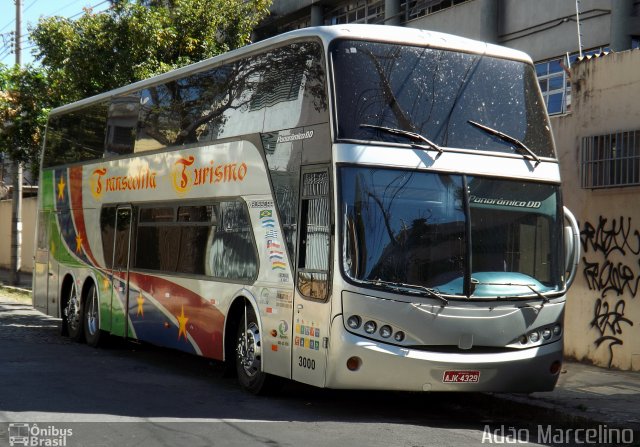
x,y
92,313
249,350
72,311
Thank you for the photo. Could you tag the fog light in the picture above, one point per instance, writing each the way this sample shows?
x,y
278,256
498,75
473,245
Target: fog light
x,y
555,367
354,321
534,337
546,333
354,363
557,330
399,336
370,327
386,331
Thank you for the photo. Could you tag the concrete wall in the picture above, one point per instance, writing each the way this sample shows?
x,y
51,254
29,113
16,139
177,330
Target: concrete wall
x,y
603,313
547,28
544,29
476,20
29,213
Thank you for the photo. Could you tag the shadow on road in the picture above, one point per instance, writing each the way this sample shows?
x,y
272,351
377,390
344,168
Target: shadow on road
x,y
43,372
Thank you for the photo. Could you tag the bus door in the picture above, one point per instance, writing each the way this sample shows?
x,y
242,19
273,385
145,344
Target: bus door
x,y
120,271
311,306
41,264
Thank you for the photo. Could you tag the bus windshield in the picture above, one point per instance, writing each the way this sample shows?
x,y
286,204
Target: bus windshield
x,y
424,230
383,91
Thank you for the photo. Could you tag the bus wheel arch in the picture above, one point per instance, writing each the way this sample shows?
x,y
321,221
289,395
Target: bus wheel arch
x,y
71,308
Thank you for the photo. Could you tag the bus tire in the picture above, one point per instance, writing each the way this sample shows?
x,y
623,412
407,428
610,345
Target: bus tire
x,y
249,357
72,314
91,317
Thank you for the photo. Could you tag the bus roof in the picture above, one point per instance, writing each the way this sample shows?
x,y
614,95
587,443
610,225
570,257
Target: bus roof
x,y
378,33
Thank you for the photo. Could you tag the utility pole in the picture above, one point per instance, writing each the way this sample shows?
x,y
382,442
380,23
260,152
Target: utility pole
x,y
16,203
579,28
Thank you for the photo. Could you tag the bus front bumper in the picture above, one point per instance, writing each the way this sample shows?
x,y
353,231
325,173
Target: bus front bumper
x,y
388,367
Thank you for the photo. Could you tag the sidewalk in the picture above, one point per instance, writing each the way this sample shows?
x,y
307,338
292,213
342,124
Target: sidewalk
x,y
25,279
589,395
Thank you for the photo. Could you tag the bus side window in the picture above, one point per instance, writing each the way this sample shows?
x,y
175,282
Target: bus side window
x,y
232,254
315,236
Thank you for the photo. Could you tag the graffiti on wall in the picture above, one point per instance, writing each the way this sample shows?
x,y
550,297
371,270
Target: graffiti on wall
x,y
612,269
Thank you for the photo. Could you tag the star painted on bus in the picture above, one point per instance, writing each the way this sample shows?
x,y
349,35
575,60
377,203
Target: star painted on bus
x,y
140,300
61,185
78,244
182,320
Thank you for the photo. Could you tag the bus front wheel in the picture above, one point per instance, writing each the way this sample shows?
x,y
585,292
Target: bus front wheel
x,y
249,356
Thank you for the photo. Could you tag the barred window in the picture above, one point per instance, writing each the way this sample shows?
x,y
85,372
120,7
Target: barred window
x,y
610,160
358,11
414,9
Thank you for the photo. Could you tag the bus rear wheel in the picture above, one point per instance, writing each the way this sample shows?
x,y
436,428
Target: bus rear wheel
x,y
72,314
92,333
249,357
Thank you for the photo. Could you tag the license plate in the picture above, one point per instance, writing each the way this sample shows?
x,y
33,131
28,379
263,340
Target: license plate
x,y
461,377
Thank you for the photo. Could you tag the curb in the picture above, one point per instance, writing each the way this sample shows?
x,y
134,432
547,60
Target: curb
x,y
15,289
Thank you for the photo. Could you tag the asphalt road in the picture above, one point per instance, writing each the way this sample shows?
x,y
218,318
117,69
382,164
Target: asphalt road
x,y
128,394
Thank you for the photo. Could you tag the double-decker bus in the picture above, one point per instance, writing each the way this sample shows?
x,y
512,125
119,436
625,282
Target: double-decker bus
x,y
350,207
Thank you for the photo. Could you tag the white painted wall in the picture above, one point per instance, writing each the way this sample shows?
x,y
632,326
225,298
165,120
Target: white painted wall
x,y
603,312
29,213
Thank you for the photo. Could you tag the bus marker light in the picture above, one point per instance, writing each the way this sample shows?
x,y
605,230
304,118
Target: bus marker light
x,y
354,363
274,333
354,321
370,327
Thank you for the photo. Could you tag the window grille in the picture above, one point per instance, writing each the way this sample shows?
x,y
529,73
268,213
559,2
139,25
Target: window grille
x,y
611,160
359,11
414,9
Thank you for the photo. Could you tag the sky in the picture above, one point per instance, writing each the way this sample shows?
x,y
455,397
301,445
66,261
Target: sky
x,y
32,10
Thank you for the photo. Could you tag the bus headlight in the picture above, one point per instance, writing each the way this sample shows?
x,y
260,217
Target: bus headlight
x,y
557,330
546,333
370,327
385,331
354,321
534,337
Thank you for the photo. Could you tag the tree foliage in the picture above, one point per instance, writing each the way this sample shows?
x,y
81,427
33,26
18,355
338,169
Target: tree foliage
x,y
135,40
24,101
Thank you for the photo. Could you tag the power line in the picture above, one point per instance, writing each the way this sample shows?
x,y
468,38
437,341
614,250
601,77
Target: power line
x,y
9,47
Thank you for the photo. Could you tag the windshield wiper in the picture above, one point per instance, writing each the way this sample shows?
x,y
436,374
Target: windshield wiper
x,y
416,137
508,138
531,287
431,293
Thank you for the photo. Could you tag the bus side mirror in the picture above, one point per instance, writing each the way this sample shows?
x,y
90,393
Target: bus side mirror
x,y
571,246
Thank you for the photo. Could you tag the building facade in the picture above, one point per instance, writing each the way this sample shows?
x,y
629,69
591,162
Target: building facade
x,y
599,149
547,30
